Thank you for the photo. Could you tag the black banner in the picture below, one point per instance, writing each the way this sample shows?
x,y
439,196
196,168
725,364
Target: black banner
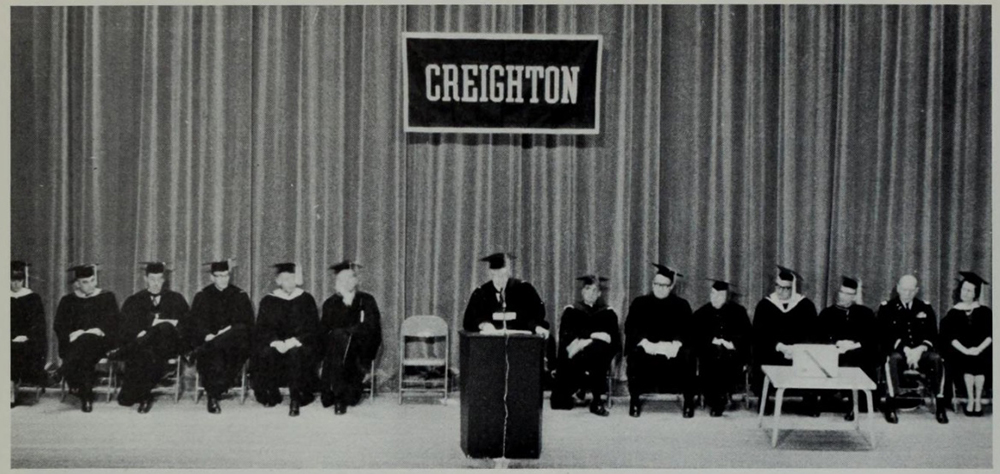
x,y
493,83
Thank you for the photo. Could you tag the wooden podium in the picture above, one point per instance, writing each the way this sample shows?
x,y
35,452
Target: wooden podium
x,y
488,364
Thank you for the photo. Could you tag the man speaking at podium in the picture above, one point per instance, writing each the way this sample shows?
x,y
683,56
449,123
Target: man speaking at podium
x,y
505,302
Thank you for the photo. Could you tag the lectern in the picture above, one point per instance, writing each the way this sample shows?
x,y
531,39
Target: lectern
x,y
501,390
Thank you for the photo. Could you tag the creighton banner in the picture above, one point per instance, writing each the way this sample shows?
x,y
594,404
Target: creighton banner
x,y
494,83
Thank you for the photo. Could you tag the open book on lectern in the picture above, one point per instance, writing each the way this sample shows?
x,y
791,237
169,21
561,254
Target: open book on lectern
x,y
815,360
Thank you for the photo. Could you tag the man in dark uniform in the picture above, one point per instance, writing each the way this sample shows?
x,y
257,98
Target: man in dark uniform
x,y
588,339
851,327
723,340
911,329
781,320
219,332
505,302
285,342
28,339
659,342
86,324
149,336
351,332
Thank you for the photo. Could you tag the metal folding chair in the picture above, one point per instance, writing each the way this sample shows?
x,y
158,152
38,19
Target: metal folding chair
x,y
428,328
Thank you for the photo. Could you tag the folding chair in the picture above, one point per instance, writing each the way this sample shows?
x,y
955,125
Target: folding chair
x,y
198,389
17,385
429,329
914,387
109,381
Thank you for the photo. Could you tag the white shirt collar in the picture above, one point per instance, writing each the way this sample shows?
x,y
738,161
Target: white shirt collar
x,y
21,292
81,295
962,306
791,302
279,293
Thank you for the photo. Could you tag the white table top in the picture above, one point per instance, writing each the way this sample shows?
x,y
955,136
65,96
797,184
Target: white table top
x,y
848,378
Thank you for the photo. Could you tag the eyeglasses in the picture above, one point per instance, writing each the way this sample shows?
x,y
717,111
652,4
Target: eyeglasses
x,y
662,285
782,287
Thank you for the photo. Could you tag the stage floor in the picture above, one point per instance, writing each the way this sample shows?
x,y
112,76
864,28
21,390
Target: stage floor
x,y
425,434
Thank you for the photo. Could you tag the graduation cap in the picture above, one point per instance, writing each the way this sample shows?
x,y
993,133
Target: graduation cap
x,y
153,267
497,260
787,274
666,271
280,268
220,266
346,265
720,285
591,279
83,271
19,270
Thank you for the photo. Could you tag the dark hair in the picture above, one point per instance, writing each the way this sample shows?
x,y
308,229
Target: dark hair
x,y
957,295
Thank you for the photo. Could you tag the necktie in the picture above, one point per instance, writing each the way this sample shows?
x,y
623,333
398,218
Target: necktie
x,y
503,303
156,300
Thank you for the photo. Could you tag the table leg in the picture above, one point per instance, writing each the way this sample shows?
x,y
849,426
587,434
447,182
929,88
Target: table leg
x,y
857,415
763,402
871,418
777,416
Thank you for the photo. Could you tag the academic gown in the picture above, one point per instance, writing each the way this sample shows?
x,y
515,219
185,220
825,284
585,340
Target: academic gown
x,y
27,318
75,312
856,323
351,336
146,357
659,320
970,328
788,322
280,317
219,361
721,367
588,367
520,298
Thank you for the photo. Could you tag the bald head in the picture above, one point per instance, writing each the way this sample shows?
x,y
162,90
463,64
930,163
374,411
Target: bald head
x,y
907,288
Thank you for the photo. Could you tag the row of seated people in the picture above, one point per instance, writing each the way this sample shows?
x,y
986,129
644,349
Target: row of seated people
x,y
666,344
285,343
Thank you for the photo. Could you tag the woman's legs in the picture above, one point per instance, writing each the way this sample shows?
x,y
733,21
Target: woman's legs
x,y
969,384
979,381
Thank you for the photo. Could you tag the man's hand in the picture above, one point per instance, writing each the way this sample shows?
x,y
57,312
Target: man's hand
x,y
95,331
784,350
487,328
224,330
75,334
672,348
292,343
913,355
724,343
646,346
141,333
20,339
576,346
209,337
601,336
847,345
542,331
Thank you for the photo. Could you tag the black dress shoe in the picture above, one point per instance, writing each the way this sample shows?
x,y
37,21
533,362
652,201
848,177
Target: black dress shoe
x,y
562,403
634,410
942,417
688,412
849,416
293,408
890,416
213,406
599,409
87,406
339,408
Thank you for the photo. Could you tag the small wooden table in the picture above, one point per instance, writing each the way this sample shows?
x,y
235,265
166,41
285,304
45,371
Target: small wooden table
x,y
848,378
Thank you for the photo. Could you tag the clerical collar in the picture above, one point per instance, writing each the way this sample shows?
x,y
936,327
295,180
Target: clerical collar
x,y
347,296
80,294
790,302
21,292
279,293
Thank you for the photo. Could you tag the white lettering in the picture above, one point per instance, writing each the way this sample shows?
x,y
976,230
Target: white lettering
x,y
433,93
450,83
570,84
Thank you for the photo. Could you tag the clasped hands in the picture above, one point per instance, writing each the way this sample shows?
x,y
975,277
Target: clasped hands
x,y
724,343
79,332
579,344
847,345
222,331
664,348
913,355
489,328
286,345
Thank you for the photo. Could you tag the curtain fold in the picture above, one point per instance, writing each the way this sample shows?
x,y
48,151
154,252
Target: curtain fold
x,y
833,139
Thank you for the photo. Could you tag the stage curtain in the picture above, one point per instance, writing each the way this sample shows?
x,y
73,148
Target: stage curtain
x,y
831,139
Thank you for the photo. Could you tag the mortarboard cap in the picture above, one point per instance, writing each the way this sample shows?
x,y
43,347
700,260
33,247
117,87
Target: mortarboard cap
x,y
280,268
786,274
83,271
346,265
220,266
153,267
973,278
18,270
591,279
666,271
720,285
497,260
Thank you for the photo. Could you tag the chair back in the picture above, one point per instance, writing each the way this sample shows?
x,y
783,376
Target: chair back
x,y
425,326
